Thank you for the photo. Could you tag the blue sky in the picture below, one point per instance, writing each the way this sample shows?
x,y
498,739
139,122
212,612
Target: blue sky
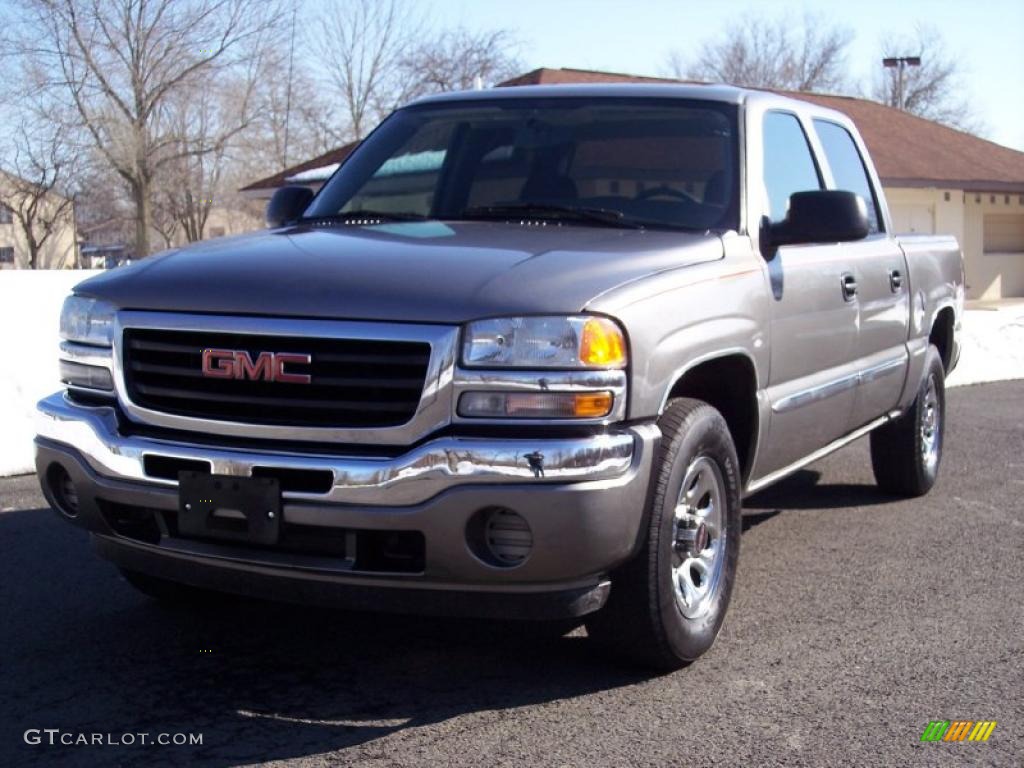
x,y
635,36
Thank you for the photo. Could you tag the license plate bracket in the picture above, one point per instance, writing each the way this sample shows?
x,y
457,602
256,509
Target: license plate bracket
x,y
242,509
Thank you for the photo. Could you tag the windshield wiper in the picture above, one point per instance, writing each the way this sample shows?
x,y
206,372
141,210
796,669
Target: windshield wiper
x,y
604,216
369,215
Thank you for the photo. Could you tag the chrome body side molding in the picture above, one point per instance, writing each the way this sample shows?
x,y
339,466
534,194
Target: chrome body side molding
x,y
834,387
773,477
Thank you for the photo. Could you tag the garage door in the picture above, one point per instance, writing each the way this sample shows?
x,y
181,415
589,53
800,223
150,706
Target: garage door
x,y
1004,233
911,219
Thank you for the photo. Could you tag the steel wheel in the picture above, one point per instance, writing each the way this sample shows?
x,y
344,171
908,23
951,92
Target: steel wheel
x,y
698,537
931,428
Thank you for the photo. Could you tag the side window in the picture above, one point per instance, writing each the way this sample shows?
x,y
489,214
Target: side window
x,y
788,162
847,166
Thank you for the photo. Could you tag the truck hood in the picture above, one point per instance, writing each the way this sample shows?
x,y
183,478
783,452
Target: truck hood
x,y
408,272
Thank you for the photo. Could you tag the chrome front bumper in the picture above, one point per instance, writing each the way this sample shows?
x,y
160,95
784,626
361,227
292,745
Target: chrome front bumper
x,y
411,478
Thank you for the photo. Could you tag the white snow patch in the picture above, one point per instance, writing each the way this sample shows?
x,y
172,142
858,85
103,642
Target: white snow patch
x,y
30,302
992,344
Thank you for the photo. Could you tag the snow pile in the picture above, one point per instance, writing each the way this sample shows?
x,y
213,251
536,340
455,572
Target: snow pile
x,y
30,303
993,345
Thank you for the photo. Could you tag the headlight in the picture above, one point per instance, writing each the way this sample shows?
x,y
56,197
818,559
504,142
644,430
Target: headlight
x,y
582,341
87,321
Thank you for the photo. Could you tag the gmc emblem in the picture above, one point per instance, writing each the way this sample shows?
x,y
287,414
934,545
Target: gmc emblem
x,y
268,366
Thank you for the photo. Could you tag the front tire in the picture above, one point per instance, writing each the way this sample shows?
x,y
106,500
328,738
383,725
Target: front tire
x,y
906,453
668,603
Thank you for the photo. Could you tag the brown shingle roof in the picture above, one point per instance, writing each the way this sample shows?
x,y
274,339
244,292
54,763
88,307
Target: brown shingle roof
x,y
908,151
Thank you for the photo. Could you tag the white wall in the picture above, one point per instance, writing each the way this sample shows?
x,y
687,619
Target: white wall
x,y
990,276
30,303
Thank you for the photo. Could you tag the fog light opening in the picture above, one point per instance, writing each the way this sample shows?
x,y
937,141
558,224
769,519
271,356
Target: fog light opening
x,y
500,537
63,490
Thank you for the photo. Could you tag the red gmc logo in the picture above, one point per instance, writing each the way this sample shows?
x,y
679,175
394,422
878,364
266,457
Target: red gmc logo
x,y
268,366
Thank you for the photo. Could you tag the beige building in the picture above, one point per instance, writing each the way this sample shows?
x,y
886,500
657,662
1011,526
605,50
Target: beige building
x,y
937,180
229,221
58,250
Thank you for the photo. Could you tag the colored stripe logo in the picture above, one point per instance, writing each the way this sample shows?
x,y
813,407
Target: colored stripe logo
x,y
958,730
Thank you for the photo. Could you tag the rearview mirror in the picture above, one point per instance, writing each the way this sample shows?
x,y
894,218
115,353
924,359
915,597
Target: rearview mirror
x,y
821,216
287,205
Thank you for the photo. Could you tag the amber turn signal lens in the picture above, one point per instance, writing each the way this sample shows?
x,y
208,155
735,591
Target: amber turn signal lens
x,y
535,405
602,344
593,406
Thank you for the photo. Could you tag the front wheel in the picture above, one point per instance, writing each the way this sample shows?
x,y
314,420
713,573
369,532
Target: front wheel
x,y
668,603
906,453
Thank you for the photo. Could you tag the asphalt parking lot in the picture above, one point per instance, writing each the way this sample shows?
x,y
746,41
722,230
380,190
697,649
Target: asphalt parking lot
x,y
857,619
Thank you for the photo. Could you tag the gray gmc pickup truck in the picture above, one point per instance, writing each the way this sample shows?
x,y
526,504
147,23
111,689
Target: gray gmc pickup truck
x,y
522,356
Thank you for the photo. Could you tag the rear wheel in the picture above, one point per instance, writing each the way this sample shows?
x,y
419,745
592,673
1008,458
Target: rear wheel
x,y
906,453
667,604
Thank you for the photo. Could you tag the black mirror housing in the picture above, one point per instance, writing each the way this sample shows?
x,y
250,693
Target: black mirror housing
x,y
287,205
822,216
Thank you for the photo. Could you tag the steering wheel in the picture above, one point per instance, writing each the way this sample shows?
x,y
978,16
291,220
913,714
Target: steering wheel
x,y
665,191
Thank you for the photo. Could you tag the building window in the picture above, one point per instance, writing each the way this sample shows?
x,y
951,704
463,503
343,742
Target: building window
x,y
6,214
6,254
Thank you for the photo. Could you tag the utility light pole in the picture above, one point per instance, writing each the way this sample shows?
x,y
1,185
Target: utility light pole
x,y
900,63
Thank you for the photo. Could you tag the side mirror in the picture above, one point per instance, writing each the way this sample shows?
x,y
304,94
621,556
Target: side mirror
x,y
821,216
287,205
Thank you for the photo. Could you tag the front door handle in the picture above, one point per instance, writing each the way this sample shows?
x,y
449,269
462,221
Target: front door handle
x,y
849,286
895,280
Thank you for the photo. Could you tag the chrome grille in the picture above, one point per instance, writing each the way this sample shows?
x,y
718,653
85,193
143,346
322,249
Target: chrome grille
x,y
354,382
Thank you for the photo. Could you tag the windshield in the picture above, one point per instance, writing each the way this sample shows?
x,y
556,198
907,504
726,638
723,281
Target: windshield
x,y
661,163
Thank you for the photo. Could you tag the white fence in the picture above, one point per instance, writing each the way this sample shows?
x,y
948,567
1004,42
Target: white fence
x,y
30,303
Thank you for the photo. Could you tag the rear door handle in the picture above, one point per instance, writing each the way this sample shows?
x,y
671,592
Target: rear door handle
x,y
849,286
895,280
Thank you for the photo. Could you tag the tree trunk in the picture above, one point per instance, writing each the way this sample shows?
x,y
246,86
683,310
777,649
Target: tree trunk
x,y
143,216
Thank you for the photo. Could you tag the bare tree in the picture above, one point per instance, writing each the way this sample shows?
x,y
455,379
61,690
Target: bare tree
x,y
458,59
765,53
294,120
205,124
933,90
120,61
360,44
34,190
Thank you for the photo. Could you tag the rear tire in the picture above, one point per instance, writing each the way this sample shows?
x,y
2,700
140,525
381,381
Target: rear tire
x,y
906,453
668,603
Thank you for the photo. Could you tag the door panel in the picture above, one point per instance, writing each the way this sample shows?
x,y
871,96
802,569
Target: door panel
x,y
883,294
813,374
